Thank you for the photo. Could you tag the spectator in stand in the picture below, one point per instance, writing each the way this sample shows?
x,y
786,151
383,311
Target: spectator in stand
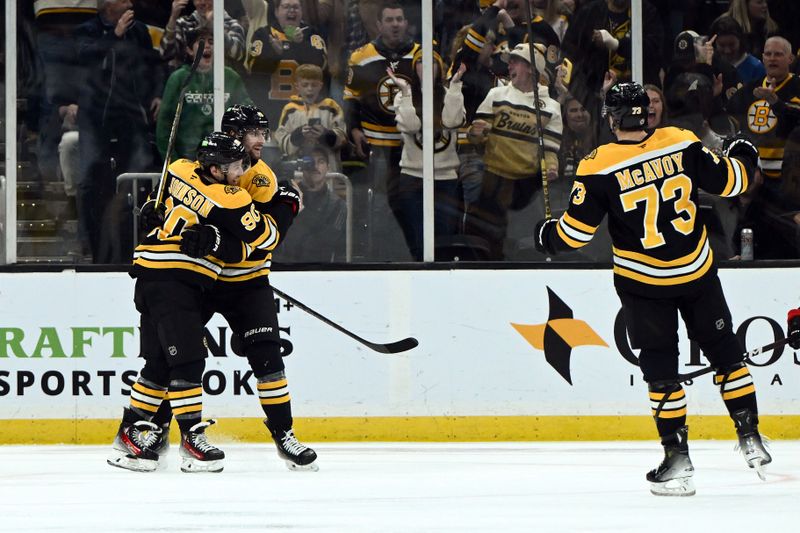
x,y
275,53
319,231
117,108
506,123
657,112
309,119
578,140
599,39
730,46
197,118
370,115
449,114
753,17
769,110
173,44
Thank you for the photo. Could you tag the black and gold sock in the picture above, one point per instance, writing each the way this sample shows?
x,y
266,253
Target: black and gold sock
x,y
146,397
186,400
668,406
737,388
273,394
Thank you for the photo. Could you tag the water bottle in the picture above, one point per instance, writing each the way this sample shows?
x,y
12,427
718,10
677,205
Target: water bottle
x,y
746,237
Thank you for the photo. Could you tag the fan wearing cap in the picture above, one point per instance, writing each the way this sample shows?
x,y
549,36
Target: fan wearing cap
x,y
506,124
197,117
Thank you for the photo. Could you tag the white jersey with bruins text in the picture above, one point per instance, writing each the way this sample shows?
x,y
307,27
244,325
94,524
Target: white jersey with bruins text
x,y
649,190
190,200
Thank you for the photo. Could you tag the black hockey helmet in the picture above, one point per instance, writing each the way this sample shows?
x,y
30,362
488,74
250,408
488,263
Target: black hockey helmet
x,y
627,103
219,149
241,118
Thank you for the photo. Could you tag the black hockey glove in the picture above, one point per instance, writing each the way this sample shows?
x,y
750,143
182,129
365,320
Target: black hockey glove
x,y
200,240
740,147
543,228
793,331
150,216
288,196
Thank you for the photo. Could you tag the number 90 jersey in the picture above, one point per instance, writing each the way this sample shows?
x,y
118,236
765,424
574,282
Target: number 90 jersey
x,y
649,190
189,200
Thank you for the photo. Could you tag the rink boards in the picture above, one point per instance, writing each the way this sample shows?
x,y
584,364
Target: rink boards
x,y
503,355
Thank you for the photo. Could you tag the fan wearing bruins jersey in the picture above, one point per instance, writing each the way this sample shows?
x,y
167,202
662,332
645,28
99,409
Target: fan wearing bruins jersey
x,y
171,286
242,294
647,183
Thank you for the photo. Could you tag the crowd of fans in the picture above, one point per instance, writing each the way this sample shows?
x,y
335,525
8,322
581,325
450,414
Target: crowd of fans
x,y
340,82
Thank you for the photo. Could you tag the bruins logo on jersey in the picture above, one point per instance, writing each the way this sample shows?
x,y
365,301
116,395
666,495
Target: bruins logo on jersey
x,y
231,189
591,155
760,117
260,180
387,91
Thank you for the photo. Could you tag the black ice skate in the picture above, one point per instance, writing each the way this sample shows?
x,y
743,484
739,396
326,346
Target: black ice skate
x,y
750,442
294,454
197,454
132,448
161,446
673,477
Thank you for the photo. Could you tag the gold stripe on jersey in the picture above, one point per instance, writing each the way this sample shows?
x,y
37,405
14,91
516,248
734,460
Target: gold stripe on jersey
x,y
574,232
240,273
658,263
664,277
737,178
170,256
474,40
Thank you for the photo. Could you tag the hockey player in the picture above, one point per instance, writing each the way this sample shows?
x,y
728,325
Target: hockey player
x,y
242,293
647,182
202,197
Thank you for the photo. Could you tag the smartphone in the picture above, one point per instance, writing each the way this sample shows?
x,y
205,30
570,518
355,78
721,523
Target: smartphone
x,y
567,64
314,121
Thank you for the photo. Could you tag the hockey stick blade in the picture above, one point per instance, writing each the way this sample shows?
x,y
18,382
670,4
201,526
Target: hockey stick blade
x,y
747,359
390,348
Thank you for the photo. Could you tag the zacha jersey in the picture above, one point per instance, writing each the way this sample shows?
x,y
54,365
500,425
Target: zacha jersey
x,y
369,93
189,201
261,183
649,190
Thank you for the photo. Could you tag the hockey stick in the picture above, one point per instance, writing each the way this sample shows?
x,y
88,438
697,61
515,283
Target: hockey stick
x,y
391,348
162,182
538,112
747,359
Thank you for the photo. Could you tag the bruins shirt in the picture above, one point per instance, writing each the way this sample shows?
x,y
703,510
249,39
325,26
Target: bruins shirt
x,y
512,145
768,125
649,190
260,183
369,92
188,201
271,80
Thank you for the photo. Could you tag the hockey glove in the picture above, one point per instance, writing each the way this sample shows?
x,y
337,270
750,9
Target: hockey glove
x,y
793,331
541,234
741,148
288,196
200,240
150,216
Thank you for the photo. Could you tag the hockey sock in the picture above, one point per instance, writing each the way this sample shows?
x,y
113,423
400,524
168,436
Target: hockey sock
x,y
737,388
186,400
668,405
146,397
273,393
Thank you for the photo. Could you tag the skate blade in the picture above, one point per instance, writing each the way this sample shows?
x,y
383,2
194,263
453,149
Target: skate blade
x,y
760,469
125,461
190,465
674,487
311,467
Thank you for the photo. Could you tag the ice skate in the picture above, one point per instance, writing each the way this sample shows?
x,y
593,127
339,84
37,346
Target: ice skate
x,y
673,477
197,454
161,446
750,442
294,454
132,446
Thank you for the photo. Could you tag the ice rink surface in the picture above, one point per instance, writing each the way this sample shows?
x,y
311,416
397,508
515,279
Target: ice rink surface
x,y
503,487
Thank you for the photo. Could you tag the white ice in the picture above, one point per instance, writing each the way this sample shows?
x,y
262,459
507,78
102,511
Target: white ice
x,y
504,487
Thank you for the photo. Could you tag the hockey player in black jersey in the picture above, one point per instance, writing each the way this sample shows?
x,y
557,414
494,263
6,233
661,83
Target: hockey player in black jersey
x,y
202,198
647,183
242,294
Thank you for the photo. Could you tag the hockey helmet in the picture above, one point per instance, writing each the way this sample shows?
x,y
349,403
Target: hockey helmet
x,y
627,104
219,149
241,118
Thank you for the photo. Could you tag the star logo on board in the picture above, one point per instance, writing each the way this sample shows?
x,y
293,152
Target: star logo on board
x,y
559,335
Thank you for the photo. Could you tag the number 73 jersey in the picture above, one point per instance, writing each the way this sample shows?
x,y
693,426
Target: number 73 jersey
x,y
649,189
